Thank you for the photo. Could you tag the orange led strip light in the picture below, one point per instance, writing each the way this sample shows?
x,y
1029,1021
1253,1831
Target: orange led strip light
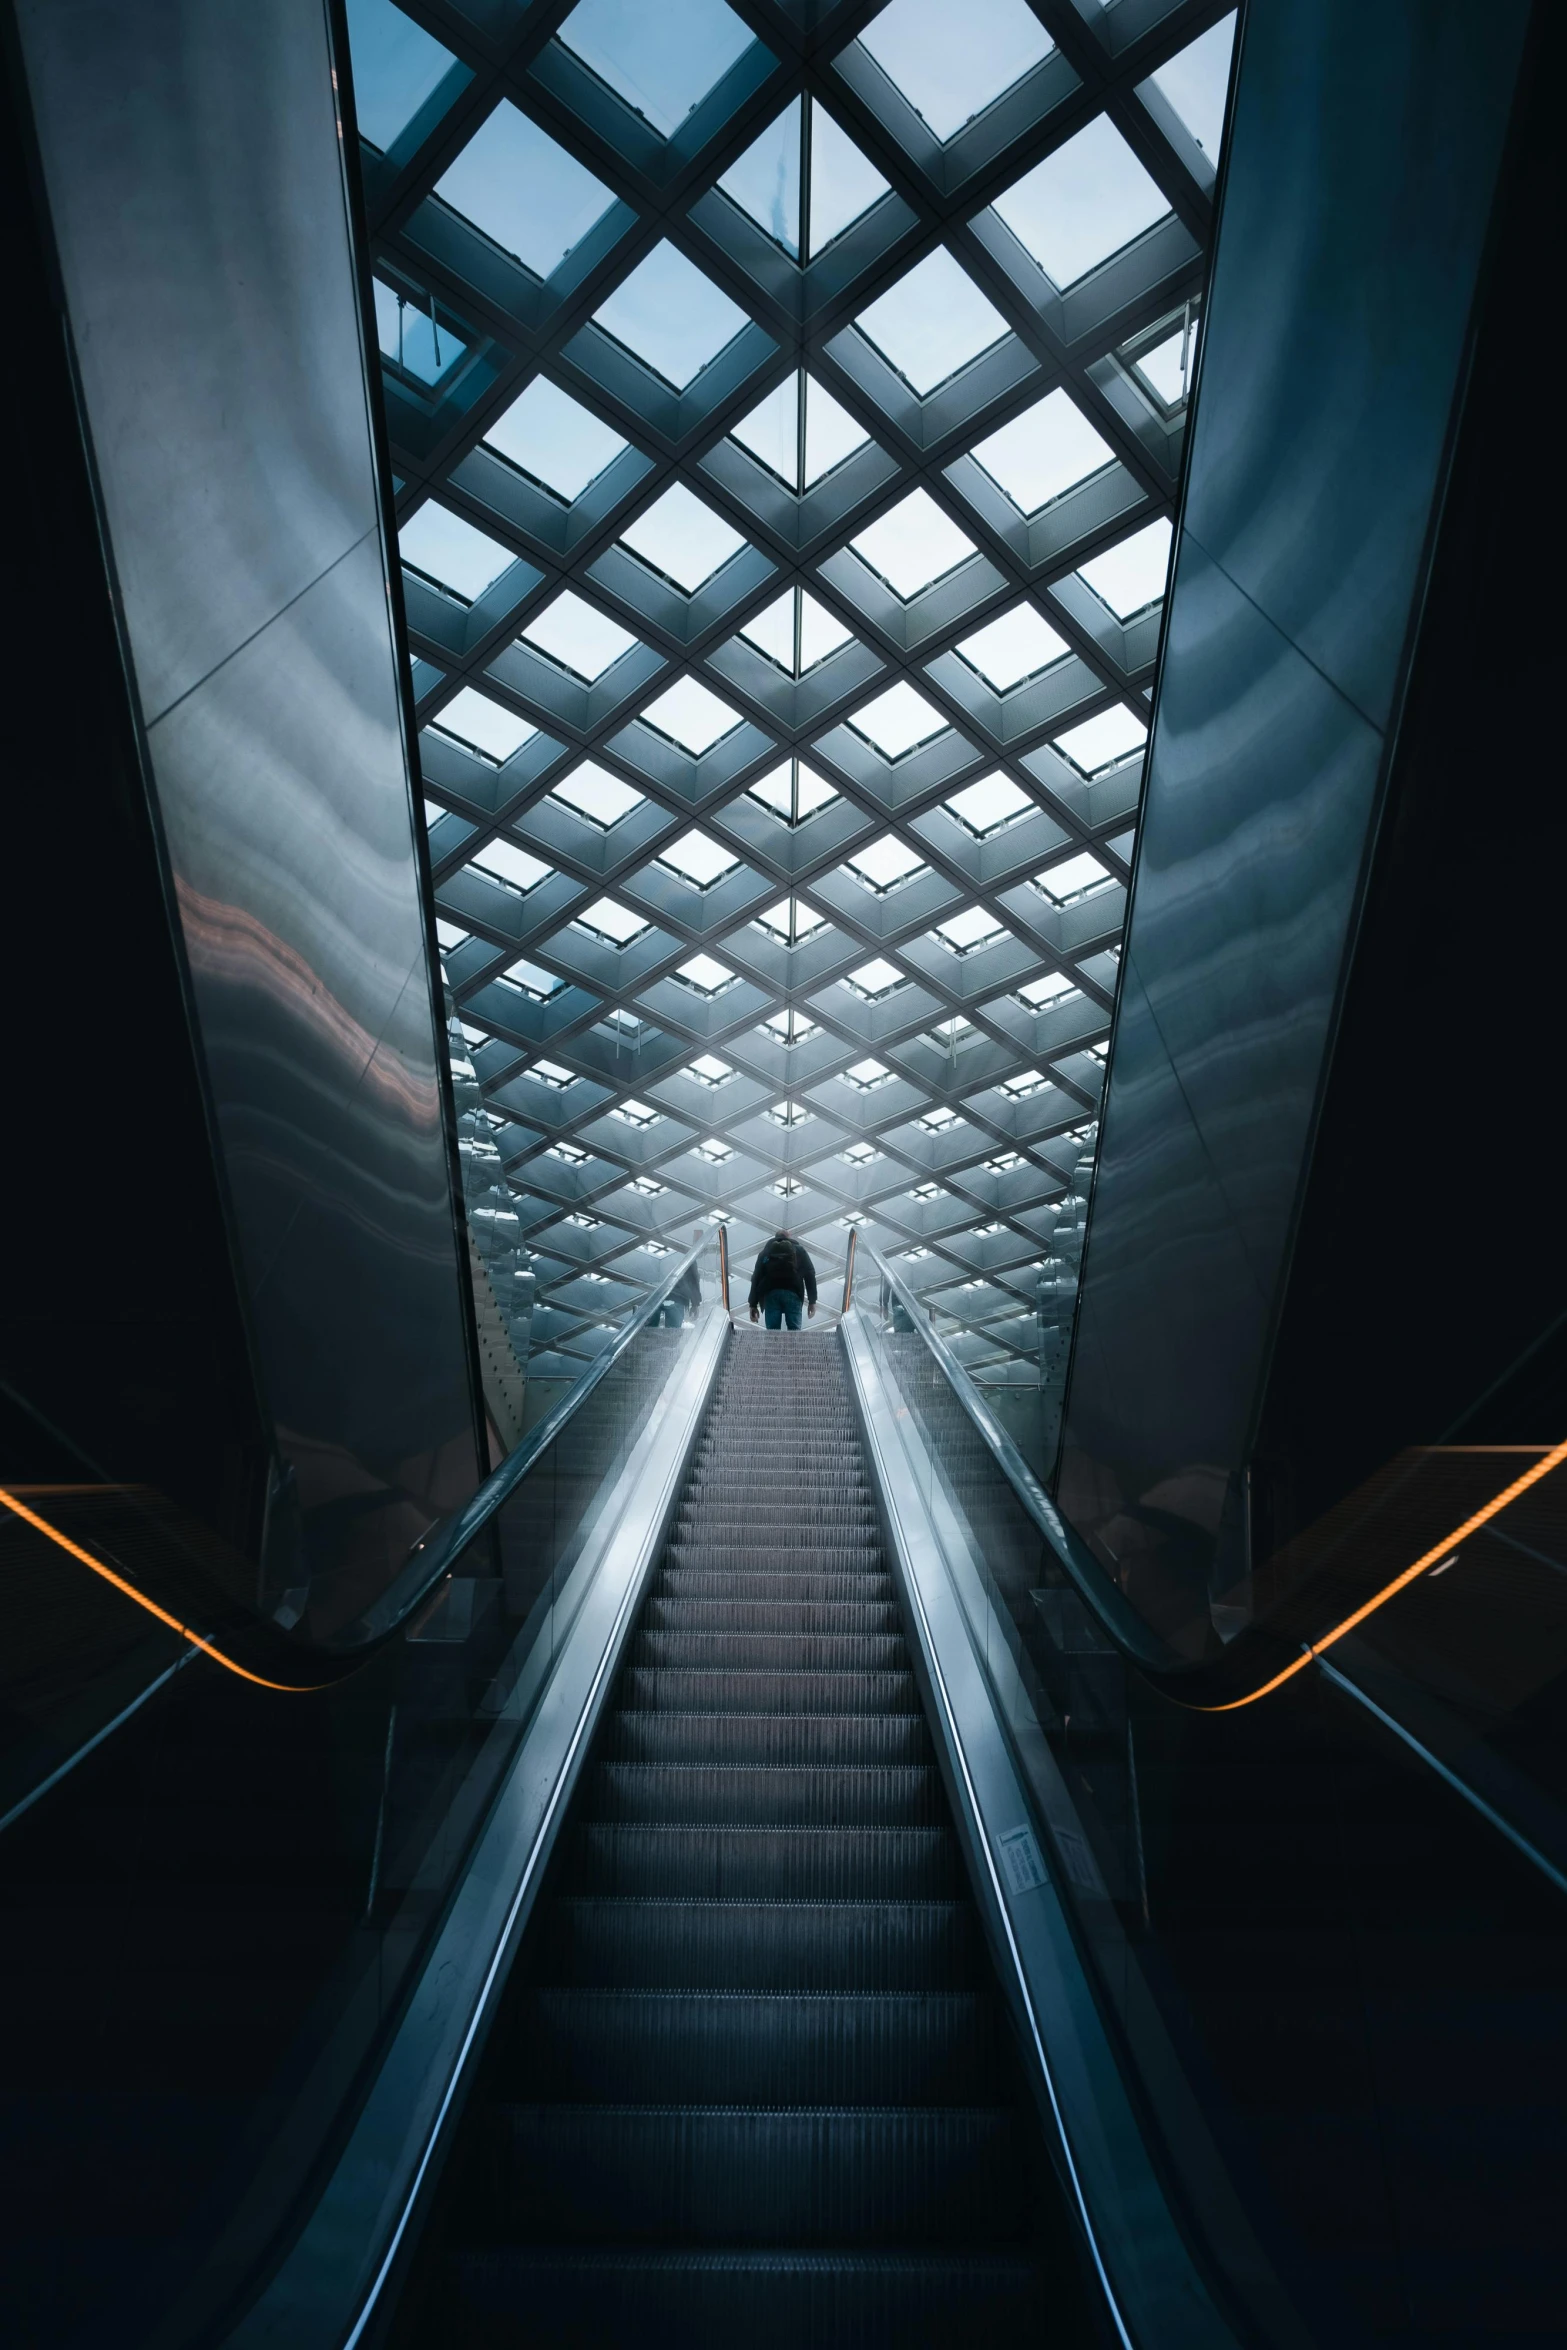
x,y
19,1509
1481,1517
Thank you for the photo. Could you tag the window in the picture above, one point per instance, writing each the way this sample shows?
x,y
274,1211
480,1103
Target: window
x,y
397,66
526,194
541,985
451,553
682,538
898,720
691,716
882,864
662,61
1038,994
932,322
1131,576
553,440
798,154
614,923
1026,1081
800,448
704,973
1196,81
551,1073
710,1070
503,861
1085,202
578,637
913,545
671,317
796,632
949,72
789,1027
989,805
483,726
569,1151
1043,453
1103,741
647,1187
940,1120
636,1114
972,928
714,1151
1018,645
1071,879
793,791
789,1114
876,978
791,920
867,1075
860,1154
592,792
698,859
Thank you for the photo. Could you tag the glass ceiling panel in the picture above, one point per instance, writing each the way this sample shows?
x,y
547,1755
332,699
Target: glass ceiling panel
x,y
671,317
1131,576
1044,452
796,631
932,322
596,794
773,432
1082,204
913,545
551,437
1018,645
397,66
528,195
578,636
950,71
898,719
893,625
662,60
1196,81
450,551
682,537
474,719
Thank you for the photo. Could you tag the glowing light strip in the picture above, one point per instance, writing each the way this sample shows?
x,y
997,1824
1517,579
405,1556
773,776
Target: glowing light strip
x,y
19,1509
1481,1517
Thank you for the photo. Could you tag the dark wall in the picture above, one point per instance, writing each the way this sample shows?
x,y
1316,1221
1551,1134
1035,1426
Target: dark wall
x,y
1363,156
1429,1282
193,169
123,1351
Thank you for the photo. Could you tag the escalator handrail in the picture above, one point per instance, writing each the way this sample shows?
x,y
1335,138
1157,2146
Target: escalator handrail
x,y
439,1550
1116,1615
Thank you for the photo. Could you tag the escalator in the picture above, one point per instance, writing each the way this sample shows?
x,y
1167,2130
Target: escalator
x,y
754,2078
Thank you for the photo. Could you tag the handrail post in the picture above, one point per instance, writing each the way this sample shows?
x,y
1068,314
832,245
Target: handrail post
x,y
848,1267
723,1263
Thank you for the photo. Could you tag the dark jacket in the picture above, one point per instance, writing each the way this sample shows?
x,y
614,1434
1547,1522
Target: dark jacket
x,y
688,1289
783,1264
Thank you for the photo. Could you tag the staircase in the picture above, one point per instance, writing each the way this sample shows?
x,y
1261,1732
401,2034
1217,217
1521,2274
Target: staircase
x,y
753,2085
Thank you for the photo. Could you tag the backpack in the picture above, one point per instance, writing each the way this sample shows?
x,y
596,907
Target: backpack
x,y
782,1261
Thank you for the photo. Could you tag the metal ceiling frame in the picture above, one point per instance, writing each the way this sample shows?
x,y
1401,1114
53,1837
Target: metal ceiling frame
x,y
623,1024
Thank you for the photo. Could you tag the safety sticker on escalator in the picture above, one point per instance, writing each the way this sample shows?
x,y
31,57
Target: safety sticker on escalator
x,y
1020,1855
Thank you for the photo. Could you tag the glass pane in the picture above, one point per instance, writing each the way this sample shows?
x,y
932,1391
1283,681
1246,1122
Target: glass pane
x,y
949,75
530,196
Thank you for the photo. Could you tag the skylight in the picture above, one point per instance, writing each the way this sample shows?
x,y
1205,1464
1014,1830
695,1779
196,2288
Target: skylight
x,y
932,322
527,194
971,928
796,631
1131,576
939,1120
578,636
800,451
814,159
1083,203
504,861
1054,988
683,538
897,720
913,544
791,919
876,978
1167,366
706,974
451,552
423,347
596,794
789,1113
711,1070
671,317
541,985
793,791
950,72
714,1151
691,716
697,858
1073,878
789,1026
867,1074
984,807
663,61
553,439
397,67
636,1113
1196,81
1026,1081
617,923
883,863
1099,742
861,1154
1016,646
551,1073
483,725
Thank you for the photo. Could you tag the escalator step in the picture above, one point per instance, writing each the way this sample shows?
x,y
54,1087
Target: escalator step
x,y
647,1736
663,1944
513,2296
826,2175
756,1559
781,1864
864,1586
759,1796
769,1691
794,1652
769,2048
769,1615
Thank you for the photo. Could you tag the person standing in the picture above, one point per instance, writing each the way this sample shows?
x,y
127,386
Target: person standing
x,y
684,1298
783,1284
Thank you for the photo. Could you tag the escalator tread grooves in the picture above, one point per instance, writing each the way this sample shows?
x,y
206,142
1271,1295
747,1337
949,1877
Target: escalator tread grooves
x,y
753,2073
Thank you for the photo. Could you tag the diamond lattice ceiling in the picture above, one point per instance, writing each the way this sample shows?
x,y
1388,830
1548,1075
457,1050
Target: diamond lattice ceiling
x,y
786,404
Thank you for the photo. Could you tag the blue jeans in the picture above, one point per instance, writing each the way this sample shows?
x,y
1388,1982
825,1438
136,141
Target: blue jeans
x,y
671,1315
783,1307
